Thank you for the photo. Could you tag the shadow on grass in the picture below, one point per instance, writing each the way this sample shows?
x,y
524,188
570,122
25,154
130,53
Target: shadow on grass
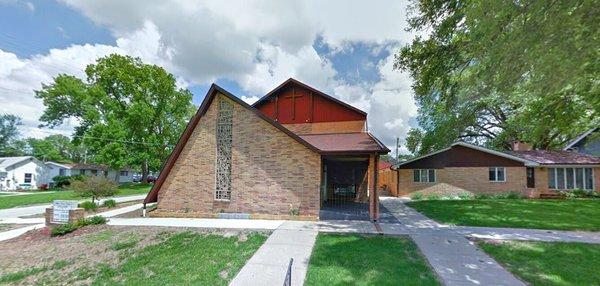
x,y
581,214
367,260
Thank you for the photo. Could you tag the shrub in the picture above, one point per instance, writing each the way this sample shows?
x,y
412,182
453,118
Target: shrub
x,y
417,196
579,193
88,206
433,197
109,203
63,229
61,181
482,196
94,187
70,227
465,196
507,195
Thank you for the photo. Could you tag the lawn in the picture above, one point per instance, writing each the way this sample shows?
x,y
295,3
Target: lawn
x,y
104,255
48,197
579,214
367,260
548,263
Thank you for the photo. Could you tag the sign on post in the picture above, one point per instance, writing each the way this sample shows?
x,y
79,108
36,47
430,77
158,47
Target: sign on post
x,y
60,210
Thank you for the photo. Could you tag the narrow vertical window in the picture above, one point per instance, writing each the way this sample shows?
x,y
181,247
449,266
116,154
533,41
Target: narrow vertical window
x,y
551,178
589,179
223,160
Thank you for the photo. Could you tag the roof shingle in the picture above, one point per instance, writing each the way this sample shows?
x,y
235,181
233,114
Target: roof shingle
x,y
549,157
345,142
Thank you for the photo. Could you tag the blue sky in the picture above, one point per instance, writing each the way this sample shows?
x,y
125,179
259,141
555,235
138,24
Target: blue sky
x,y
201,43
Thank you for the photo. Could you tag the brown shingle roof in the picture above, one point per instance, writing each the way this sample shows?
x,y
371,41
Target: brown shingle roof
x,y
549,157
339,143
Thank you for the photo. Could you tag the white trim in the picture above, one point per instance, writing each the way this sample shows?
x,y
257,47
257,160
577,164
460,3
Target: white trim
x,y
496,175
583,177
578,139
57,164
479,148
427,173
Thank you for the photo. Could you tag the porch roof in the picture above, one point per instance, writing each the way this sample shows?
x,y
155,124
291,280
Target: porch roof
x,y
346,143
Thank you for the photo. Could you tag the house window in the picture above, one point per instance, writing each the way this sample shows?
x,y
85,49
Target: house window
x,y
124,173
28,177
62,172
94,172
570,178
424,175
497,174
223,156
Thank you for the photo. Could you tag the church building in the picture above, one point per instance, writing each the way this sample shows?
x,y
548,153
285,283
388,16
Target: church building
x,y
291,154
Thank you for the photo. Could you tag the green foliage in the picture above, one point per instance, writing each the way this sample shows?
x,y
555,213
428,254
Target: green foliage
x,y
109,203
131,113
496,71
88,206
507,196
94,187
71,227
124,244
63,229
62,181
56,148
14,277
417,196
578,193
9,134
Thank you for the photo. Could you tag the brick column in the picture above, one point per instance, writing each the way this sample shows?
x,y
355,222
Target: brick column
x,y
372,186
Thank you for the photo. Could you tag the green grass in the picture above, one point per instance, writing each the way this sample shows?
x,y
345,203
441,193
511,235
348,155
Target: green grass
x,y
18,276
367,260
549,263
580,214
183,259
48,197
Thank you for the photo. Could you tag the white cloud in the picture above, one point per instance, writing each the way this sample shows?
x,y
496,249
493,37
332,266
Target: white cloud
x,y
257,44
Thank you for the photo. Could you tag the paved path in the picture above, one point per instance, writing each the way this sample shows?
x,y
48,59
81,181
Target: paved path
x,y
454,258
528,234
39,209
268,266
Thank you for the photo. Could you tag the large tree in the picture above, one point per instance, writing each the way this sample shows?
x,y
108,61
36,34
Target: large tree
x,y
9,135
53,148
130,113
491,72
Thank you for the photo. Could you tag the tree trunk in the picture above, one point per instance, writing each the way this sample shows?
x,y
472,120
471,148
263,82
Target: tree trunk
x,y
144,171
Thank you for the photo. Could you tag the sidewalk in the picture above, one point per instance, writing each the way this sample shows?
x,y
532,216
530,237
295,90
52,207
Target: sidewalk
x,y
528,234
268,266
454,258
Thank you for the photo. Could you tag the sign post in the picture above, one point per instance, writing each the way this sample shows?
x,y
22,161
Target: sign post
x,y
61,210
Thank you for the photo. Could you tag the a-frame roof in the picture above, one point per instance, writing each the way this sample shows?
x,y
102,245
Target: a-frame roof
x,y
210,95
291,81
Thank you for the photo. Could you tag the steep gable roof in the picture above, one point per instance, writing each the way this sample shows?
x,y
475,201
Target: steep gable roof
x,y
210,95
291,81
579,138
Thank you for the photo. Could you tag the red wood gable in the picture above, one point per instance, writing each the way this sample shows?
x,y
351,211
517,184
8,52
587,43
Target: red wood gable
x,y
294,102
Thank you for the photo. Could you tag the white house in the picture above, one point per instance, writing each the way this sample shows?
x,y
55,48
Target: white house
x,y
24,172
59,169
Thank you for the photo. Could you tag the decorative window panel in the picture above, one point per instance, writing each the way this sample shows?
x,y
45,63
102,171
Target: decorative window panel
x,y
223,160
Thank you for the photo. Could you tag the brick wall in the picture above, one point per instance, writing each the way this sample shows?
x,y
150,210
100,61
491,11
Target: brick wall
x,y
475,179
271,172
327,127
472,179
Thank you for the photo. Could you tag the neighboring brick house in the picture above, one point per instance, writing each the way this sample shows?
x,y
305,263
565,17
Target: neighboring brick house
x,y
587,143
289,154
470,168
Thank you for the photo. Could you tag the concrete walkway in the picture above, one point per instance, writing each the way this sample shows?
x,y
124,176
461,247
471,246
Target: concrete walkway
x,y
268,266
39,209
454,258
528,234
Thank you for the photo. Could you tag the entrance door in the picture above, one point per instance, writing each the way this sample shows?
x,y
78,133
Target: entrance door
x,y
530,177
344,184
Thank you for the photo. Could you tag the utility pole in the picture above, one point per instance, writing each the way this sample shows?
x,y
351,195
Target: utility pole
x,y
397,147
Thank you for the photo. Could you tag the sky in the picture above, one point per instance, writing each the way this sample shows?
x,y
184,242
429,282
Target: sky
x,y
344,48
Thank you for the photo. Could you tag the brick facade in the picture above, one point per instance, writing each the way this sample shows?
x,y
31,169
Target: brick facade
x,y
476,180
327,127
273,175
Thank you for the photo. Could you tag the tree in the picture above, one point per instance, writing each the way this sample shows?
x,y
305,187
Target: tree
x,y
491,72
94,187
9,134
131,113
52,148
